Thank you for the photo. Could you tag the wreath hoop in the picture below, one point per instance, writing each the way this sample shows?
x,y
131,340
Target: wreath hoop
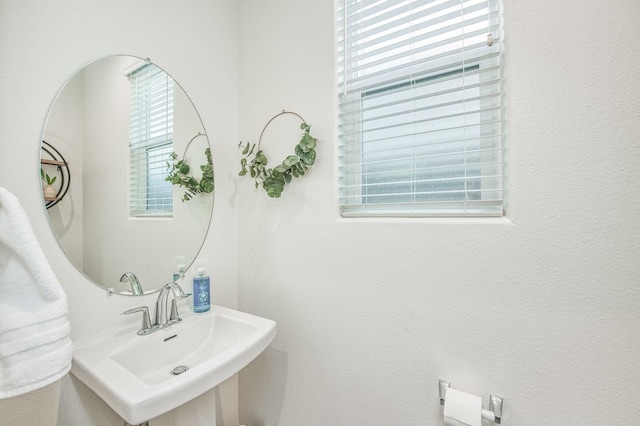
x,y
273,180
179,173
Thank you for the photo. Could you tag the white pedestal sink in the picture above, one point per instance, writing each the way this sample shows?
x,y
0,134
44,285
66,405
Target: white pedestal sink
x,y
133,374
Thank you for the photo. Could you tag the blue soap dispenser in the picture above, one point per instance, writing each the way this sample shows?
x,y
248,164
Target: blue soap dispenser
x,y
178,275
201,291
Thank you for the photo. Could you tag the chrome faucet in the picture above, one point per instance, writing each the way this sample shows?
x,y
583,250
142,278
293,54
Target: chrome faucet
x,y
160,319
136,287
160,316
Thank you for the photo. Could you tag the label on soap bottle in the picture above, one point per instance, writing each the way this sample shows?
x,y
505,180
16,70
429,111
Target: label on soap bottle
x,y
201,294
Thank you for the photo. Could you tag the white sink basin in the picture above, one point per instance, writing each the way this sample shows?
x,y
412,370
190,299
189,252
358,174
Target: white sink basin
x,y
133,374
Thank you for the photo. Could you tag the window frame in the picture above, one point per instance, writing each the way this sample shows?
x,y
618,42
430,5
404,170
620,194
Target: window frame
x,y
353,185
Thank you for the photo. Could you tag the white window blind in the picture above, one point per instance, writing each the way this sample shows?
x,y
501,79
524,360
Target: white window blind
x,y
151,142
420,130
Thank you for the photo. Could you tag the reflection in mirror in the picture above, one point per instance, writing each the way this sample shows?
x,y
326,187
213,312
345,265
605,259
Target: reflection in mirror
x,y
117,123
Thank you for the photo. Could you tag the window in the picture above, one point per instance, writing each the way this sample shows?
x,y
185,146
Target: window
x,y
151,142
420,130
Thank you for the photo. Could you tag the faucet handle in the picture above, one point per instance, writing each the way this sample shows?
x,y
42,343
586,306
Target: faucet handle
x,y
146,320
175,316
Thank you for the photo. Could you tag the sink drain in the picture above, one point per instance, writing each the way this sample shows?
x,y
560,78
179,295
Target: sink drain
x,y
179,370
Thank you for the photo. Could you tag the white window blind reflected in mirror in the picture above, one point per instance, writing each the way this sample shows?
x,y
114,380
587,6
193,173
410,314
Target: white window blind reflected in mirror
x,y
420,108
151,142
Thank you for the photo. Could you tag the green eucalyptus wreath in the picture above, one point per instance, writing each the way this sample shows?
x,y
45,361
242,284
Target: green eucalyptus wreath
x,y
179,174
273,180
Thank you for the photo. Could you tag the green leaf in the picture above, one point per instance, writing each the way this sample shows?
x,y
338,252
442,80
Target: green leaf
x,y
261,158
291,160
206,186
311,143
183,168
310,159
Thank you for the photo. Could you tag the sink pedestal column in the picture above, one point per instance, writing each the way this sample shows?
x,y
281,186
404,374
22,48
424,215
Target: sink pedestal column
x,y
198,411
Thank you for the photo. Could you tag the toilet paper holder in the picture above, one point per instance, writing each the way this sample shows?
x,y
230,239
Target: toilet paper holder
x,y
494,413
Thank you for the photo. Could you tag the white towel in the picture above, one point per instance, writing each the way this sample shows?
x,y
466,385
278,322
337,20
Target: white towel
x,y
35,347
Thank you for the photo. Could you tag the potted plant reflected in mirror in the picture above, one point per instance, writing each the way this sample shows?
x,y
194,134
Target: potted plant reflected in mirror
x,y
48,190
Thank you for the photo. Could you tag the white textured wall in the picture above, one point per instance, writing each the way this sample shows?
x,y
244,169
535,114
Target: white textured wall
x,y
543,309
371,313
41,45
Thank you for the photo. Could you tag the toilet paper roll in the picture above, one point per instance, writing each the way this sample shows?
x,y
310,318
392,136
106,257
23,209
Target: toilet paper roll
x,y
462,409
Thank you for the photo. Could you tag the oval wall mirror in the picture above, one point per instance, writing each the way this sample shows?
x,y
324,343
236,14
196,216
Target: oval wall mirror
x,y
108,146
